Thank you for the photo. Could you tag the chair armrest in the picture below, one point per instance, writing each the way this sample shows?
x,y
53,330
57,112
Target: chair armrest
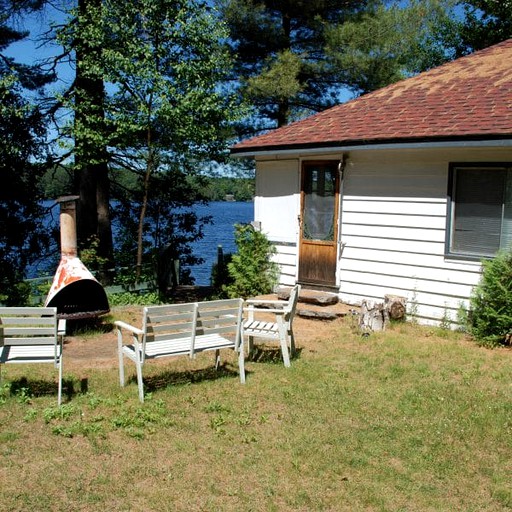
x,y
61,327
266,310
128,327
261,302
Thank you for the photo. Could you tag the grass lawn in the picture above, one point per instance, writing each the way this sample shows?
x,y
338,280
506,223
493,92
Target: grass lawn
x,y
412,419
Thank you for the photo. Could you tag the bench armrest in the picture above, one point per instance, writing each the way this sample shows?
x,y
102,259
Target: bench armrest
x,y
128,327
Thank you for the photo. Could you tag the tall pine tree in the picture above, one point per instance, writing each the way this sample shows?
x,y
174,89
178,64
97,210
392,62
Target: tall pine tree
x,y
23,238
387,43
280,62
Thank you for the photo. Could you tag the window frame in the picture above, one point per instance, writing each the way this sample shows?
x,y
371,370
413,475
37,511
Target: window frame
x,y
451,204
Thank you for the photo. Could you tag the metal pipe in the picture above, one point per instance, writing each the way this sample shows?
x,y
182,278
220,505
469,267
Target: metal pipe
x,y
68,238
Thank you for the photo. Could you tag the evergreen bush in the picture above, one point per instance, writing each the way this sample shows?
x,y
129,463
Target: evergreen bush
x,y
490,318
220,278
252,270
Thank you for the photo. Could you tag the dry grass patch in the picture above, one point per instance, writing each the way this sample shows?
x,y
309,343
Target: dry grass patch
x,y
411,419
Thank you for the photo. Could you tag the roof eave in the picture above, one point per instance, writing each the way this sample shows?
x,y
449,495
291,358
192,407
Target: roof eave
x,y
494,140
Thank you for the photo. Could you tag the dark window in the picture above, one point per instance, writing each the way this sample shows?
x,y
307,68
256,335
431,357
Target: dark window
x,y
479,210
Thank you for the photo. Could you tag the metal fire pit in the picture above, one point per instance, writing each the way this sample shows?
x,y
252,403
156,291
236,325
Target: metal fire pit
x,y
74,292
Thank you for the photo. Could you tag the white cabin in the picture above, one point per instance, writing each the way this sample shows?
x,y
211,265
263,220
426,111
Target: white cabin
x,y
400,192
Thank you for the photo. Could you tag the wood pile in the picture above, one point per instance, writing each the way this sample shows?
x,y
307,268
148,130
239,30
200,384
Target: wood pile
x,y
375,316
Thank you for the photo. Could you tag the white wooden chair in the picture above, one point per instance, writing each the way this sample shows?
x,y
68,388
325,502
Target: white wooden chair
x,y
32,335
279,328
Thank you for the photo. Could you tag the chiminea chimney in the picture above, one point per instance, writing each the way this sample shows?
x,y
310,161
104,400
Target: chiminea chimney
x,y
74,292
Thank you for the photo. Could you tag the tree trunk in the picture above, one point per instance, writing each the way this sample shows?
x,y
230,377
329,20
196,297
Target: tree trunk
x,y
93,216
283,106
395,306
106,245
373,317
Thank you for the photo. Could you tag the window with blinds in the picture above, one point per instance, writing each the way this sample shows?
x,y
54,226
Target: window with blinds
x,y
480,209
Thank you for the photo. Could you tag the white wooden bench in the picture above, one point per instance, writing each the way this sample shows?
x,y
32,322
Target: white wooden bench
x,y
182,330
32,335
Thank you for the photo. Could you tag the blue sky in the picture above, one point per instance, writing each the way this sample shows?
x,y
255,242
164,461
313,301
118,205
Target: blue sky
x,y
29,50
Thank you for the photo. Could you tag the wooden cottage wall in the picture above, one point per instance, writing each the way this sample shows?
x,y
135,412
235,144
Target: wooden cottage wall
x,y
394,228
276,208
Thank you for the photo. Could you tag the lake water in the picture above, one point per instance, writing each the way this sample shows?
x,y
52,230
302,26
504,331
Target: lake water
x,y
221,232
224,215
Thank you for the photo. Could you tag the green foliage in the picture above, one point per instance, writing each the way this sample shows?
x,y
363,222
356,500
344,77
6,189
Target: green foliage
x,y
485,22
147,97
56,182
134,299
462,317
293,58
220,277
165,61
90,255
22,237
219,189
280,54
279,80
412,306
251,268
490,317
446,321
403,40
171,224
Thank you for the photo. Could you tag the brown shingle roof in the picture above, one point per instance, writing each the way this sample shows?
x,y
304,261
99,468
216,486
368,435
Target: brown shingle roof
x,y
470,97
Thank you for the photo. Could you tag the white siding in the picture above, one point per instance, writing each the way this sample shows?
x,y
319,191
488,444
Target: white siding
x,y
393,226
276,207
394,230
286,257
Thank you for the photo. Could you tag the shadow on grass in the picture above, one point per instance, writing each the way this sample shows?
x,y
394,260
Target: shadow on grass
x,y
29,388
84,326
266,354
165,379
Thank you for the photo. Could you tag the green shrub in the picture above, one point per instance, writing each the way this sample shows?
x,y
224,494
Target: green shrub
x,y
490,317
133,299
17,295
220,278
252,270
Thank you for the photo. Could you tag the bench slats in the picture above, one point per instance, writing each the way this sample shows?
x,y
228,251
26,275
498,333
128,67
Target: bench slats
x,y
24,320
27,331
170,327
211,342
24,354
260,328
153,318
157,337
164,348
40,340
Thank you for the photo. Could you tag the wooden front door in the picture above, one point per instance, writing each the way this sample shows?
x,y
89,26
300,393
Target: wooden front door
x,y
319,223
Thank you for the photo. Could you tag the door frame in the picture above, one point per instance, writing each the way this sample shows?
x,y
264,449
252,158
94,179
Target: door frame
x,y
329,248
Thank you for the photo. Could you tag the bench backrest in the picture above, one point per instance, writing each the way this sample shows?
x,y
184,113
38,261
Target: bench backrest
x,y
30,326
180,321
220,317
169,321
